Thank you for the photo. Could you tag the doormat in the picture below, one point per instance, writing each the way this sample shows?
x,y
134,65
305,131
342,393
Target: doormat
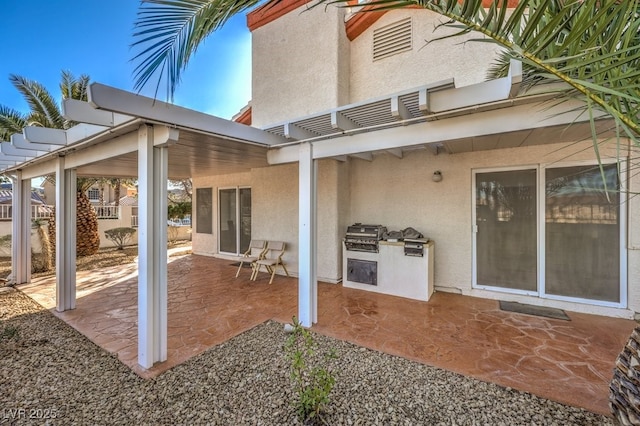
x,y
244,265
541,311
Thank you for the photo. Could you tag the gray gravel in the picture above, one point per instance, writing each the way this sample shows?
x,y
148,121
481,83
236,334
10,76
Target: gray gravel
x,y
50,370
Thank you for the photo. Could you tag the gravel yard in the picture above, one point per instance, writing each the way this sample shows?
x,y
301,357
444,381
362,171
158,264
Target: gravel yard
x,y
47,369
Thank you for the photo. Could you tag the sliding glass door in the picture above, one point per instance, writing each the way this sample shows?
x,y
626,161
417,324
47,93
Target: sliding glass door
x,y
582,232
506,230
565,246
234,226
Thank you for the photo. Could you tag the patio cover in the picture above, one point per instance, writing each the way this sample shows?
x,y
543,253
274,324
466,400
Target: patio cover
x,y
123,134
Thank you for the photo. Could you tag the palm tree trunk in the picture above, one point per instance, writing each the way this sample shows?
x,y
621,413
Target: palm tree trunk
x,y
117,192
87,235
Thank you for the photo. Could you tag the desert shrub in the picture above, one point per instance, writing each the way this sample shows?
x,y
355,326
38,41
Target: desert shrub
x,y
5,241
312,380
45,259
120,236
172,234
178,210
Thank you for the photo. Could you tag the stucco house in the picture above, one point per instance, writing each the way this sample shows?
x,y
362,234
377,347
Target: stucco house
x,y
98,193
351,117
521,212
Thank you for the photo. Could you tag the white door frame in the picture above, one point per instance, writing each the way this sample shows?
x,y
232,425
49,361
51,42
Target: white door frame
x,y
237,218
474,230
622,238
540,227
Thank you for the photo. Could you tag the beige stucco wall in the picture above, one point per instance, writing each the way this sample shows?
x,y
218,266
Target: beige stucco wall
x,y
274,205
274,193
5,229
207,244
424,64
299,65
400,193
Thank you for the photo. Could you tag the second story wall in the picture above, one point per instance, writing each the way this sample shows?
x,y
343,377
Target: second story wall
x,y
300,65
422,64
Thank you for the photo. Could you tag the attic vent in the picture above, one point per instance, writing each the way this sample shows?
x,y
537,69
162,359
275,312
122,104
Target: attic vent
x,y
392,39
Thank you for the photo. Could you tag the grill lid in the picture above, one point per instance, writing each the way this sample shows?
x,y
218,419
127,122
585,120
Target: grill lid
x,y
360,231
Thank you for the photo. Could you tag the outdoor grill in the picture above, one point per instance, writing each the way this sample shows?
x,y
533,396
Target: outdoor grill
x,y
365,238
414,246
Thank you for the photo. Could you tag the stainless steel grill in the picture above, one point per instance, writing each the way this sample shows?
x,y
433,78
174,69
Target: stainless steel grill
x,y
361,237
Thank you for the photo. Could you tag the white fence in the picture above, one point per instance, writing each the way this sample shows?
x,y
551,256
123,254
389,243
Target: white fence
x,y
175,222
107,212
37,212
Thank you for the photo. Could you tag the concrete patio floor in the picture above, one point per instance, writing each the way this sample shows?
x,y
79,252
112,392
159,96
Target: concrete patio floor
x,y
567,361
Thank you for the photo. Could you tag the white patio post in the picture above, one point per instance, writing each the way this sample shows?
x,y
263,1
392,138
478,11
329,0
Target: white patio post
x,y
152,249
21,229
66,187
307,235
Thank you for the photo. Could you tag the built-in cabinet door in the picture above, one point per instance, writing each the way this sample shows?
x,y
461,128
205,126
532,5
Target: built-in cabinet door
x,y
234,220
582,232
506,230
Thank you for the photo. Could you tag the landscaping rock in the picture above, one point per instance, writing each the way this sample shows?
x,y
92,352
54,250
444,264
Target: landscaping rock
x,y
48,369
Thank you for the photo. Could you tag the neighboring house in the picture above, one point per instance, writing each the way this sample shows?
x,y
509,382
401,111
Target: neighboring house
x,y
38,206
512,217
106,191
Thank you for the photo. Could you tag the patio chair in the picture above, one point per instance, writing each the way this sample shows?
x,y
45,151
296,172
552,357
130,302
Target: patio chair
x,y
254,252
271,259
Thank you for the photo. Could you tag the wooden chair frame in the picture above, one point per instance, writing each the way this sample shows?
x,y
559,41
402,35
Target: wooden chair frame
x,y
271,259
255,252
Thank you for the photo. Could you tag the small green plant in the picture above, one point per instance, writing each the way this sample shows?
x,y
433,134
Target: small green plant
x,y
120,236
9,332
312,382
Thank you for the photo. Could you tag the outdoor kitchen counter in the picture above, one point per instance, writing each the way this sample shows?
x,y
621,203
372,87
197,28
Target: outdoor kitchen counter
x,y
397,274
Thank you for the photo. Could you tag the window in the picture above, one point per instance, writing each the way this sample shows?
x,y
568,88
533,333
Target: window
x,y
93,194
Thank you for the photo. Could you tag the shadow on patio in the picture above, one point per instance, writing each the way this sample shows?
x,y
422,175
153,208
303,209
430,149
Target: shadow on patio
x,y
566,361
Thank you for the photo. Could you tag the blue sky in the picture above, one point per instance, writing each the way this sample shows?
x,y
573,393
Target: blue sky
x,y
44,37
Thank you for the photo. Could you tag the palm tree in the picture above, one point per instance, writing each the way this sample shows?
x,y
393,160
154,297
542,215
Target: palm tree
x,y
592,46
46,112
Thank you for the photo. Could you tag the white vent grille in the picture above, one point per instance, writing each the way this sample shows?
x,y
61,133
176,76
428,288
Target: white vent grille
x,y
392,39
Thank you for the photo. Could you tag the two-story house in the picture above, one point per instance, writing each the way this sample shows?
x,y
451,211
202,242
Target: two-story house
x,y
518,209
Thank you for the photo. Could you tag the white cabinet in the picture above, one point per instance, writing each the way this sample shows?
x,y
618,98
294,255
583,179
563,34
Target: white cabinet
x,y
397,274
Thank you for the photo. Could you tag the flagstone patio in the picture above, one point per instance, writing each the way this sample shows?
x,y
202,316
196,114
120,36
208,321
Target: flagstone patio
x,y
566,361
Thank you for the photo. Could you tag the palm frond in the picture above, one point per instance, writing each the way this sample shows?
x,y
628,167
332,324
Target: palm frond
x,y
11,121
73,87
45,110
590,45
168,32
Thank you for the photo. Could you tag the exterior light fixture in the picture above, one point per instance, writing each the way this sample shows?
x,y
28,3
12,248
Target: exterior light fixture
x,y
437,176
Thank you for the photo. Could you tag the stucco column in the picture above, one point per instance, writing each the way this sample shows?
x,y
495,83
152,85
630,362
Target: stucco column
x,y
21,229
307,235
152,249
66,187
